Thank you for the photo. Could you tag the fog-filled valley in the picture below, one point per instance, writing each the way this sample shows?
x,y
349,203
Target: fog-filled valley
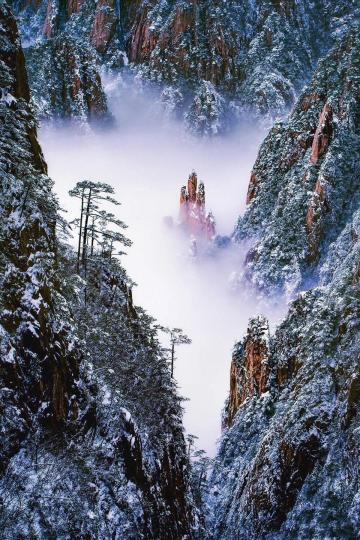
x,y
147,157
179,270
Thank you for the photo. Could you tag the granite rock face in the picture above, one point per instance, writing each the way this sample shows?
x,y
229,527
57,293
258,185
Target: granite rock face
x,y
249,372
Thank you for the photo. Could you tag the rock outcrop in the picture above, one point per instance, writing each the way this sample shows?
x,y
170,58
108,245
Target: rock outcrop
x,y
249,372
193,217
57,14
49,28
322,135
106,23
65,81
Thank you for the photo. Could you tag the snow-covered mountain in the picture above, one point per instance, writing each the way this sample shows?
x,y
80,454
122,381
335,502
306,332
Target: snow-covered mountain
x,y
287,466
213,61
92,441
304,186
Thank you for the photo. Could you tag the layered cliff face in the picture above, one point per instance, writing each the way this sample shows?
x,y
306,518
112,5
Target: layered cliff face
x,y
287,466
304,185
92,443
215,59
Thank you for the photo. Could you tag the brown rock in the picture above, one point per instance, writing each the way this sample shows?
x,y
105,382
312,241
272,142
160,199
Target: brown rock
x,y
57,12
49,24
192,187
252,188
317,208
322,135
105,23
14,56
193,216
308,101
19,88
249,370
143,40
73,6
286,372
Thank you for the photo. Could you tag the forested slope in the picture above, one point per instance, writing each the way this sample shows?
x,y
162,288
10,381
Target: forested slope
x,y
287,465
92,443
213,62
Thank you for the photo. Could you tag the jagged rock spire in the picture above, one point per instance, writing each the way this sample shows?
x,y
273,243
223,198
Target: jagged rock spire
x,y
193,216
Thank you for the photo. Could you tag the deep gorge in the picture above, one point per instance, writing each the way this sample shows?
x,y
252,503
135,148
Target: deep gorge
x,y
123,102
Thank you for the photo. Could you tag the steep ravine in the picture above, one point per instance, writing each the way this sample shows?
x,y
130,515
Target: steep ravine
x,y
91,423
179,290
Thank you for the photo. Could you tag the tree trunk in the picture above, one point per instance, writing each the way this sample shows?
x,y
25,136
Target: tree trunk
x,y
92,237
86,224
80,233
172,359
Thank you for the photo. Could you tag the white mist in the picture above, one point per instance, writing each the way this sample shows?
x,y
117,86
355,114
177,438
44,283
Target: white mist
x,y
147,160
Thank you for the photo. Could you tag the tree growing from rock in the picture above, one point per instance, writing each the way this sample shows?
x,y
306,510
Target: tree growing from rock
x,y
94,221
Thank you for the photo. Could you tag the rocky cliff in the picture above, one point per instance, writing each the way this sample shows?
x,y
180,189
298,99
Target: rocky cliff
x,y
287,462
212,60
92,443
249,372
39,362
287,465
64,71
65,81
304,187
